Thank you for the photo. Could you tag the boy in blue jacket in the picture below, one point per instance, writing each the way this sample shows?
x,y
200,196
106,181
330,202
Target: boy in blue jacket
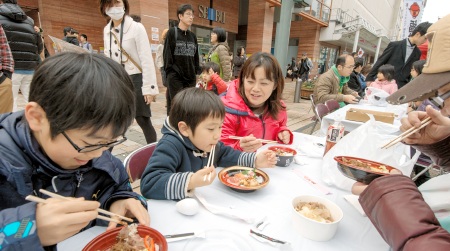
x,y
79,106
178,164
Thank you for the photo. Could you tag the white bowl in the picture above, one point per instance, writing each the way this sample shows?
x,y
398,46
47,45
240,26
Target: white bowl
x,y
311,229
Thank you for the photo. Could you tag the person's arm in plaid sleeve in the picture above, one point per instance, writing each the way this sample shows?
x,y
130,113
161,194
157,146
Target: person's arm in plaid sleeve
x,y
7,61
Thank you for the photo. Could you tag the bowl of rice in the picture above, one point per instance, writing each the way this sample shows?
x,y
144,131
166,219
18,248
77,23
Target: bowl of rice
x,y
285,155
131,237
315,218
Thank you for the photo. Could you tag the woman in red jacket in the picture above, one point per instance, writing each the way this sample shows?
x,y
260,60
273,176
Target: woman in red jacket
x,y
253,105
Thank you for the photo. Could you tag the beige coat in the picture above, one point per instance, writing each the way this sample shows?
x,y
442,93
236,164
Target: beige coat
x,y
327,87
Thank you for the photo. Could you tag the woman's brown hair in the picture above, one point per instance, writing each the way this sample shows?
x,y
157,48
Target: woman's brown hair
x,y
273,72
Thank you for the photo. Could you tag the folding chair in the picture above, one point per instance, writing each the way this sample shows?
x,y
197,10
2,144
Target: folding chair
x,y
320,110
313,105
332,105
136,162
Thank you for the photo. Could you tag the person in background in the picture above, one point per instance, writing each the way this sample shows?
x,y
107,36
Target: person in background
x,y
385,79
59,143
6,71
177,165
70,36
85,44
354,83
211,78
220,53
333,83
238,61
401,54
304,67
159,60
25,44
181,59
254,107
126,42
362,76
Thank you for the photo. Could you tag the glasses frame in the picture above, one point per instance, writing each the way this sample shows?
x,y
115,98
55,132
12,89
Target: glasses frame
x,y
92,148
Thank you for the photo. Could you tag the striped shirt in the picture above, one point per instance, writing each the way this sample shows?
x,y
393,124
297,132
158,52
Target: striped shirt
x,y
7,65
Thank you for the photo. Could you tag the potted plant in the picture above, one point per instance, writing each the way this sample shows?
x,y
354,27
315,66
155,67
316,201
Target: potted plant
x,y
307,88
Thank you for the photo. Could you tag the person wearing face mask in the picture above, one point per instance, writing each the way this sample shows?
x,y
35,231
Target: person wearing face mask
x,y
126,42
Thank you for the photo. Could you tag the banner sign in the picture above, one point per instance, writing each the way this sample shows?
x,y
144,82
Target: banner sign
x,y
412,14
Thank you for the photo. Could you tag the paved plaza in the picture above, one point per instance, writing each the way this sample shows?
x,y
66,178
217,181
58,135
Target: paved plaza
x,y
299,118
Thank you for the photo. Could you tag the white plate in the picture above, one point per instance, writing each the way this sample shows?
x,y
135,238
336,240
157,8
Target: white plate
x,y
219,240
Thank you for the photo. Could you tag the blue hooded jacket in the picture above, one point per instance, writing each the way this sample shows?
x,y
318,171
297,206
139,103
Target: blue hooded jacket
x,y
176,159
24,169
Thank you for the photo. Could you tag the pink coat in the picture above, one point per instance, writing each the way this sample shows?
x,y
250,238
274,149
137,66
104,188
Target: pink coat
x,y
385,85
241,121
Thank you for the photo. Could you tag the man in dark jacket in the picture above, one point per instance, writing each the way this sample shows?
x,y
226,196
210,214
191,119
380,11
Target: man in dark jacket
x,y
181,60
354,82
25,44
401,54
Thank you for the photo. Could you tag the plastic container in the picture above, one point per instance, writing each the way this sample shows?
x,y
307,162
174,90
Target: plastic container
x,y
334,133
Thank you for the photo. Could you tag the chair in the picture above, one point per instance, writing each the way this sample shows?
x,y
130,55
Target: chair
x,y
320,110
332,105
313,105
136,161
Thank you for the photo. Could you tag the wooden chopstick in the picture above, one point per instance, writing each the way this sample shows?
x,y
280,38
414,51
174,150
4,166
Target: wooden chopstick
x,y
210,161
407,133
262,140
40,200
54,195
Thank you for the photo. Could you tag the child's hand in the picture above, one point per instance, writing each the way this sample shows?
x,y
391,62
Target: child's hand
x,y
57,219
250,143
284,136
265,158
198,179
131,208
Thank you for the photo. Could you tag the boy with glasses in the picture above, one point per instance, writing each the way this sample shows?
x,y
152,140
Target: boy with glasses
x,y
181,59
80,105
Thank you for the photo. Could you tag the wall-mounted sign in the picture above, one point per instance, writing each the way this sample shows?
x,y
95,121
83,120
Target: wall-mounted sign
x,y
211,14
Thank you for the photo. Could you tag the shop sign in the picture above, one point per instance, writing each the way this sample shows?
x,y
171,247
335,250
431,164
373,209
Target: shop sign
x,y
211,14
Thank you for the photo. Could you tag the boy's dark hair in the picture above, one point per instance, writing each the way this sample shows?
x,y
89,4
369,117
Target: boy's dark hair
x,y
358,62
211,65
104,4
418,66
342,59
136,18
183,8
273,73
67,30
84,91
221,34
194,105
73,31
84,35
388,71
421,28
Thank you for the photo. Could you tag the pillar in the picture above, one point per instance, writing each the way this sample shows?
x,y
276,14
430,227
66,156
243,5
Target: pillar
x,y
378,50
355,42
283,32
260,26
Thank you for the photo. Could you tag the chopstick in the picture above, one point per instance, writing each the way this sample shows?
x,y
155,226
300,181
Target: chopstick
x,y
210,161
40,200
262,140
407,133
54,195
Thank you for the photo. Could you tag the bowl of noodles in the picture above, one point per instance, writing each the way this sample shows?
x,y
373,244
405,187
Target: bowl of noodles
x,y
131,237
243,179
363,170
285,155
315,218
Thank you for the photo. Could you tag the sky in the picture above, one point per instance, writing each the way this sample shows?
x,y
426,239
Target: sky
x,y
435,9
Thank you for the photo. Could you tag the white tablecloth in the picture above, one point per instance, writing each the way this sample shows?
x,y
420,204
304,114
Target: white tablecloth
x,y
355,232
351,125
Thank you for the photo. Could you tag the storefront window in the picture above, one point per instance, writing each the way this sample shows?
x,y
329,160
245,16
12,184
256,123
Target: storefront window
x,y
327,58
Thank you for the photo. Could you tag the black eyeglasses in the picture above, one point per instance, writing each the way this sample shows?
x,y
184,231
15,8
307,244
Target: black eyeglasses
x,y
92,148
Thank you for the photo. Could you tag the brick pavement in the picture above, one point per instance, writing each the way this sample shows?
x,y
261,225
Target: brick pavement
x,y
299,117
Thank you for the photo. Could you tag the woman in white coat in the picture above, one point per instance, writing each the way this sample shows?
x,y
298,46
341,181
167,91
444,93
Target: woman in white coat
x,y
126,42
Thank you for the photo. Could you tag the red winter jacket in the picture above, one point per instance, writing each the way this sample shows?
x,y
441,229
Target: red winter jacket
x,y
241,121
218,82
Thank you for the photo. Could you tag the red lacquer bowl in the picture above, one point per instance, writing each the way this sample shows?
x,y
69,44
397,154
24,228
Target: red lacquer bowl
x,y
108,239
